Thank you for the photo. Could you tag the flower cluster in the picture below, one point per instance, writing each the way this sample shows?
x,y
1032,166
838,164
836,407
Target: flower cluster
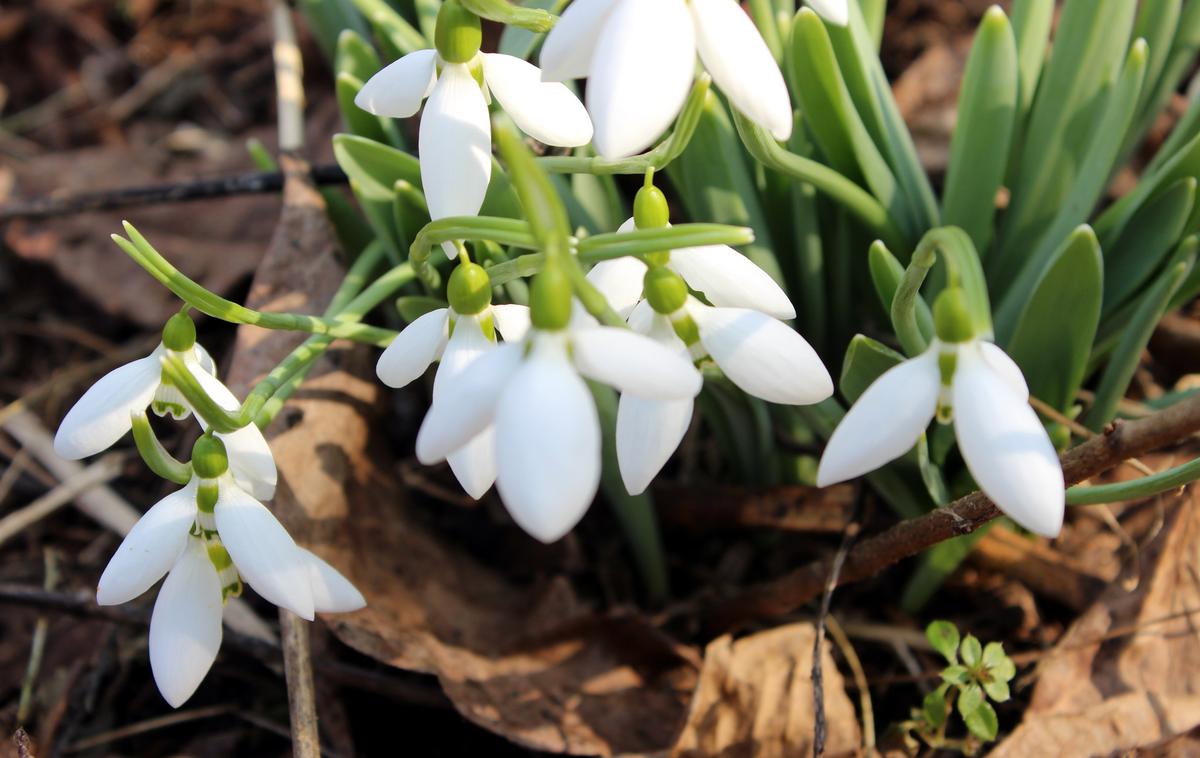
x,y
207,537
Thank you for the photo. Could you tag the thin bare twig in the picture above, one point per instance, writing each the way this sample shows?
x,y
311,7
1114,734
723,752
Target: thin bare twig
x,y
818,678
156,194
860,681
1120,442
100,472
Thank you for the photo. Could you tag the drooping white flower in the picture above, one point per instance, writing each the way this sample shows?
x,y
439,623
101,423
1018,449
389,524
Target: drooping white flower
x,y
455,141
456,341
105,412
741,332
547,431
1003,442
639,57
206,538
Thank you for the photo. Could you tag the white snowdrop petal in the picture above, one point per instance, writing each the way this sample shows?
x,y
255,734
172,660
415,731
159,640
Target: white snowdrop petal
x,y
885,423
547,111
644,318
455,145
620,280
640,76
465,345
512,321
833,11
185,627
735,54
635,364
250,461
264,553
331,592
150,549
470,404
729,279
1006,447
568,49
202,356
397,89
474,464
102,415
1006,369
648,432
250,458
763,356
414,349
547,445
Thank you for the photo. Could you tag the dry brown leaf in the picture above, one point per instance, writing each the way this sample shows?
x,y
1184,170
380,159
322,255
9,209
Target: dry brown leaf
x,y
755,699
532,663
927,94
1127,674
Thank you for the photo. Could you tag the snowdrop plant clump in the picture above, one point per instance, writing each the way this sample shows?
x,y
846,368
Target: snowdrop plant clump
x,y
579,348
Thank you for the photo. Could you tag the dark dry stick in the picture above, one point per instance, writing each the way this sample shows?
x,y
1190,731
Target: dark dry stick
x,y
818,675
1121,441
175,192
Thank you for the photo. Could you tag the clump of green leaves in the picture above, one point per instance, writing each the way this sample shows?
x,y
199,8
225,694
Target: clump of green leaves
x,y
975,677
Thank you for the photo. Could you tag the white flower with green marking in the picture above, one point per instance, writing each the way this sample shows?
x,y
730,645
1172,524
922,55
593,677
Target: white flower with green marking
x,y
639,57
455,143
206,538
457,337
547,431
741,332
973,383
105,412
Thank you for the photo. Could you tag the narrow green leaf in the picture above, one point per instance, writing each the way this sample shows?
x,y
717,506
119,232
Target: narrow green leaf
x,y
715,182
1066,110
1186,162
810,266
983,132
836,126
874,12
1145,242
857,51
355,56
1055,332
356,120
392,28
866,360
1086,192
1135,334
1031,20
374,169
1180,59
944,637
328,19
982,722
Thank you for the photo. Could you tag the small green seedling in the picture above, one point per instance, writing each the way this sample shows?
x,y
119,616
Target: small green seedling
x,y
974,678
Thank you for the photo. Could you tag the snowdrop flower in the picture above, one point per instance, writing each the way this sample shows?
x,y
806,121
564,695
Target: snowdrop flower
x,y
639,57
973,383
742,334
105,412
457,336
206,538
547,431
455,141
